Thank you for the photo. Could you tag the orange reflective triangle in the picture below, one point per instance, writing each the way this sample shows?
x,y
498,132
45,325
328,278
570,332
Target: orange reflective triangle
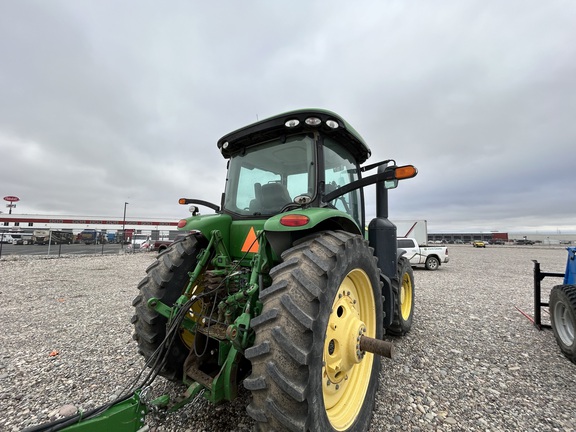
x,y
250,244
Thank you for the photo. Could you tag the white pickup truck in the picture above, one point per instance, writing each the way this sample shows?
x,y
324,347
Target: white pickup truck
x,y
430,257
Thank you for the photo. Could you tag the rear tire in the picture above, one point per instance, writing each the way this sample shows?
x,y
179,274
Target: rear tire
x,y
563,318
166,279
403,299
307,374
432,263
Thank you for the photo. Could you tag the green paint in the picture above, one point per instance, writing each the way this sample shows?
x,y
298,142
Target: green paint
x,y
125,416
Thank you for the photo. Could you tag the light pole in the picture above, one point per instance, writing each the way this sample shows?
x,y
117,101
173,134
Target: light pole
x,y
124,227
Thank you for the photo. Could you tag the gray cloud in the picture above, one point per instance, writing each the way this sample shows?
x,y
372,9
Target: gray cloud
x,y
120,101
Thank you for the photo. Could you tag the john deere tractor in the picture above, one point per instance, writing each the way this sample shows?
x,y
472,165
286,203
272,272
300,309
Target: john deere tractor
x,y
282,289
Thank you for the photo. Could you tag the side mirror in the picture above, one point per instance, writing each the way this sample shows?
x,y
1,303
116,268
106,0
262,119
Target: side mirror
x,y
395,173
391,184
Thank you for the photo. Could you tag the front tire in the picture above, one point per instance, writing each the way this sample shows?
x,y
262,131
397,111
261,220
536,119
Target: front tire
x,y
307,371
563,318
403,289
166,279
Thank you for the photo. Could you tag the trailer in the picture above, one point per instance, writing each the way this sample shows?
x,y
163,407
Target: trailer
x,y
62,237
47,236
21,237
41,237
416,229
91,236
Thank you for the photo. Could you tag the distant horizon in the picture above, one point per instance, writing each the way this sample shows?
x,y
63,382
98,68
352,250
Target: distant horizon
x,y
537,232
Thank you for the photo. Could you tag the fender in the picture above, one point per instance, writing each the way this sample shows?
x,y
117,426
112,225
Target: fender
x,y
281,234
208,223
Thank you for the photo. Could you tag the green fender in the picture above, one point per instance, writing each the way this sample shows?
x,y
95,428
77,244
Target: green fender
x,y
238,236
281,236
208,223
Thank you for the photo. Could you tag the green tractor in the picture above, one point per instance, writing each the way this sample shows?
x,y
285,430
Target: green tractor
x,y
279,290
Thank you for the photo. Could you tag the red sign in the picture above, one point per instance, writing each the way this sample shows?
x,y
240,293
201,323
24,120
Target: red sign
x,y
11,198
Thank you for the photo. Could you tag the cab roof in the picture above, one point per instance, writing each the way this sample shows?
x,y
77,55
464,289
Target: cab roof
x,y
292,122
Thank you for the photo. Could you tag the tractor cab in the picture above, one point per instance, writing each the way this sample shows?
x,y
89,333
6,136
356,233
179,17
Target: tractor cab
x,y
293,161
305,162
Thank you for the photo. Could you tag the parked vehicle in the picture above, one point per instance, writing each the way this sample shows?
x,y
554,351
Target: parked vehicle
x,y
563,309
561,305
47,236
90,236
139,240
160,245
478,244
523,242
125,236
416,229
21,237
147,245
431,257
6,238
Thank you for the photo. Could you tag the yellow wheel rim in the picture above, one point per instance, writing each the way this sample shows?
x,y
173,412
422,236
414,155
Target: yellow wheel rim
x,y
196,311
406,297
346,370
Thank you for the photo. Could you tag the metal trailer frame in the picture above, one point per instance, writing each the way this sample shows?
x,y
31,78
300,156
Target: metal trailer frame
x,y
569,279
539,275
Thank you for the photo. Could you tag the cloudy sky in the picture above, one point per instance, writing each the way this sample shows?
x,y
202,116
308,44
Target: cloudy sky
x,y
108,102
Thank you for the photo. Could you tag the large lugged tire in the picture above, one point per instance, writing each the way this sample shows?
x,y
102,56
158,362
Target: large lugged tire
x,y
165,280
563,318
307,371
403,299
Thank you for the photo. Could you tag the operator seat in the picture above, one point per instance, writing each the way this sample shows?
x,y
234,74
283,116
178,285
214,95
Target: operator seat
x,y
274,196
256,204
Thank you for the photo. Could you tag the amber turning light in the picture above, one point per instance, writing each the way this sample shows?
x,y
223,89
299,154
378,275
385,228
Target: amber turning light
x,y
406,171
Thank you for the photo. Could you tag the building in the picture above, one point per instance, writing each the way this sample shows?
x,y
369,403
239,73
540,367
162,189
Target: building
x,y
468,237
157,228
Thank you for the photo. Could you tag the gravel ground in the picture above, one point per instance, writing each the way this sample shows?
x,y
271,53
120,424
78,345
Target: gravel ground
x,y
471,362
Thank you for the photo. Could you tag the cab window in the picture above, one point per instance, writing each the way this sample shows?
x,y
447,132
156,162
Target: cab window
x,y
340,169
263,179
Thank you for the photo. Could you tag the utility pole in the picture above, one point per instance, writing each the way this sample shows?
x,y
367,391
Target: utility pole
x,y
124,227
